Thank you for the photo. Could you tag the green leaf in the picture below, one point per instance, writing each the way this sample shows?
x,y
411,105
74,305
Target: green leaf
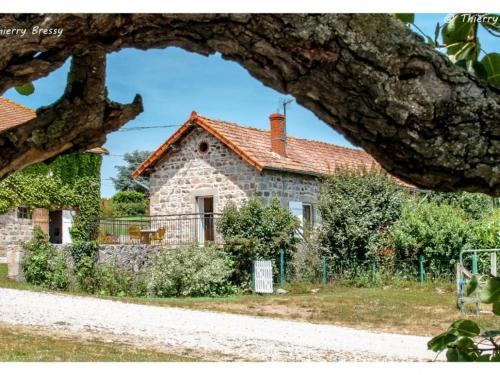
x,y
478,69
467,52
440,342
488,22
465,327
456,355
405,17
436,32
483,358
496,309
457,30
472,286
452,355
491,63
491,290
25,89
491,334
465,344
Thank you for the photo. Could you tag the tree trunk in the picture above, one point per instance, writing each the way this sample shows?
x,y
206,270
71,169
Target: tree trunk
x,y
425,120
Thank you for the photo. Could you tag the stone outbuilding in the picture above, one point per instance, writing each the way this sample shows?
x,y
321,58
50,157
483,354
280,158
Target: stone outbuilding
x,y
17,226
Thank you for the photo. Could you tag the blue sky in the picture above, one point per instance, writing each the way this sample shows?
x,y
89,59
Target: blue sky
x,y
173,82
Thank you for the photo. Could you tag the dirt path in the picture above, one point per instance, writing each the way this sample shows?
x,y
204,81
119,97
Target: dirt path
x,y
234,336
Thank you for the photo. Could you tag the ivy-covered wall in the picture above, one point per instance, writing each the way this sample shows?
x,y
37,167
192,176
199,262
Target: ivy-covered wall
x,y
70,181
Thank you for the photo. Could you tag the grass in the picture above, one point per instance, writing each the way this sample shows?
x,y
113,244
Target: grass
x,y
419,310
23,345
408,308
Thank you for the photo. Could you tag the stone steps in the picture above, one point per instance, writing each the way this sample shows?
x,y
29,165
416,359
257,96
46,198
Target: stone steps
x,y
3,260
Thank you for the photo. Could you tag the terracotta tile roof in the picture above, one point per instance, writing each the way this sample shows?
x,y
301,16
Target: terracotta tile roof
x,y
13,114
254,146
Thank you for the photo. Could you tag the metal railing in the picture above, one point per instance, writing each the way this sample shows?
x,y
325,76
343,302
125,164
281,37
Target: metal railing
x,y
165,230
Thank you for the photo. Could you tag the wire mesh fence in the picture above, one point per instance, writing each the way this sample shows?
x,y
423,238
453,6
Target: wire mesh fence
x,y
366,272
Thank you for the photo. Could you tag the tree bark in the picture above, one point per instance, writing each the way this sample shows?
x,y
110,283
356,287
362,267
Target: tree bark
x,y
425,120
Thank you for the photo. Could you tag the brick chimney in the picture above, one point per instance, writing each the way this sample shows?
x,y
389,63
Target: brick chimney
x,y
278,134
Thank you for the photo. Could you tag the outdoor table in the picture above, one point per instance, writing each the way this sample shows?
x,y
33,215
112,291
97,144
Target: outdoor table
x,y
146,235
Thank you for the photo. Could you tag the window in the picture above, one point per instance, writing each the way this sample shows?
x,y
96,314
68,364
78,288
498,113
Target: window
x,y
23,213
203,147
303,211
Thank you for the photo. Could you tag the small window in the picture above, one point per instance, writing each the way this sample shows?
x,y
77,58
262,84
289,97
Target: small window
x,y
203,147
23,213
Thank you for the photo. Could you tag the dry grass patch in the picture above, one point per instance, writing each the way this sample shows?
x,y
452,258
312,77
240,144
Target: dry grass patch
x,y
21,344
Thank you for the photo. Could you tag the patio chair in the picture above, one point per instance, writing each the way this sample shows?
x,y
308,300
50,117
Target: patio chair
x,y
159,235
134,233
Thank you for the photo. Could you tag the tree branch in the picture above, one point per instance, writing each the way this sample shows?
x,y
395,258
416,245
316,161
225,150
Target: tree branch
x,y
78,121
425,120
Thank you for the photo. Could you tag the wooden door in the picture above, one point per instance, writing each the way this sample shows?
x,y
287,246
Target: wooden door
x,y
40,218
205,207
209,218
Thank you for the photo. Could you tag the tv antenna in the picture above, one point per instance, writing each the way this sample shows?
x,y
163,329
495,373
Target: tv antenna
x,y
284,103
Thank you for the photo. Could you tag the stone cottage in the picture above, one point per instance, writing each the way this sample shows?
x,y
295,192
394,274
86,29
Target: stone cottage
x,y
17,225
207,163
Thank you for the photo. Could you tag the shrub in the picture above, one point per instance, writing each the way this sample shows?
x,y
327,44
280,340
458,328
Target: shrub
x,y
485,234
113,281
190,271
84,256
257,232
43,265
356,206
128,203
438,231
475,205
306,263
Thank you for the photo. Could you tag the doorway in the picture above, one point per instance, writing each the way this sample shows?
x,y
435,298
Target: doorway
x,y
60,222
205,211
55,227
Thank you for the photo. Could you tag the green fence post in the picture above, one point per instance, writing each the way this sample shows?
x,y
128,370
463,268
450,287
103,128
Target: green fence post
x,y
421,270
374,270
325,275
474,263
282,267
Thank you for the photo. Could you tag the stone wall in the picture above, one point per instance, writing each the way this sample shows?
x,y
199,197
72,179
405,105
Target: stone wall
x,y
289,187
219,172
129,257
188,173
13,231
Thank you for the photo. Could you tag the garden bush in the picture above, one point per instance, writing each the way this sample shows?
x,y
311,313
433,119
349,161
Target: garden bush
x,y
485,234
474,205
43,265
84,259
128,203
256,231
111,280
437,231
306,263
356,206
190,271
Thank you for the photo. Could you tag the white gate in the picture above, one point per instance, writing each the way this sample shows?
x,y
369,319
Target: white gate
x,y
263,276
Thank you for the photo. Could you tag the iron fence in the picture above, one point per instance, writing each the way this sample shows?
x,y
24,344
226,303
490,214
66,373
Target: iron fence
x,y
165,230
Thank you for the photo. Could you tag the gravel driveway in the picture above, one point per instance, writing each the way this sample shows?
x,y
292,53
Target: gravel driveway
x,y
236,336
